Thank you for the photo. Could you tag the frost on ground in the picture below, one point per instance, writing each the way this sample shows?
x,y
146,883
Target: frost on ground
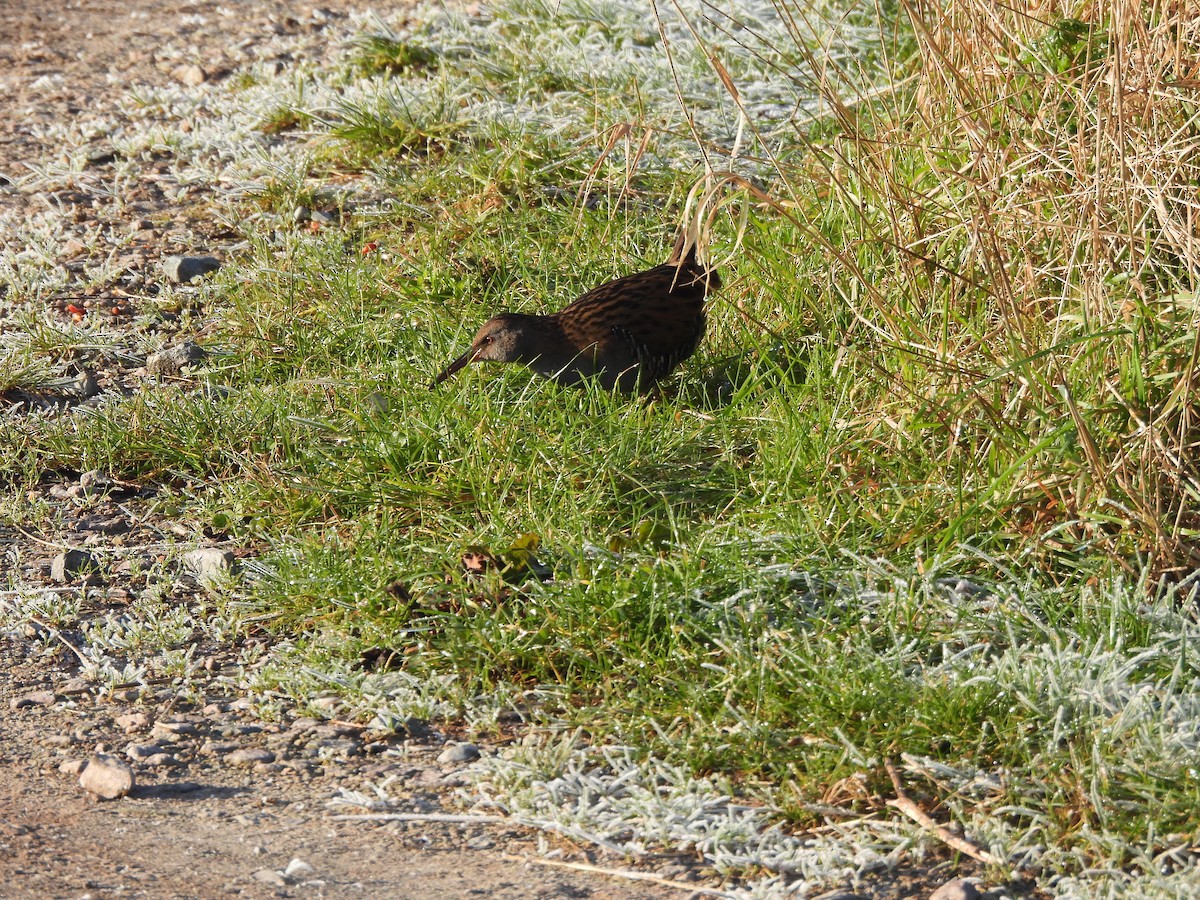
x,y
1127,705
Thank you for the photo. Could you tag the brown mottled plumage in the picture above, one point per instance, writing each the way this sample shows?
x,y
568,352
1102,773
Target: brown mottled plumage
x,y
629,332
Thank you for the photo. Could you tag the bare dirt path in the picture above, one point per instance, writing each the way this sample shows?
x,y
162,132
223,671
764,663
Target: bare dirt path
x,y
200,825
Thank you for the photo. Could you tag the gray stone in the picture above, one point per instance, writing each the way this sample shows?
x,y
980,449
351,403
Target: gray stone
x,y
958,889
250,756
85,386
456,754
173,360
210,565
107,777
182,269
301,214
67,565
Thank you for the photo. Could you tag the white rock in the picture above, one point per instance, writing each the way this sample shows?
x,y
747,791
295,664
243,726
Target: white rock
x,y
297,868
210,564
107,777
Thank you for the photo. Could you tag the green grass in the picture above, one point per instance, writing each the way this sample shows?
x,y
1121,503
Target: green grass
x,y
932,360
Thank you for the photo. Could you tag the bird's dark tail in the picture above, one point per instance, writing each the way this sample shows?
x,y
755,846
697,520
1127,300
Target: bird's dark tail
x,y
684,252
691,271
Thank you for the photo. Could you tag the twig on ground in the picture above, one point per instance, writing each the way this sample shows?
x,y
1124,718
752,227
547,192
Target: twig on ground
x,y
905,804
445,818
619,873
574,834
83,660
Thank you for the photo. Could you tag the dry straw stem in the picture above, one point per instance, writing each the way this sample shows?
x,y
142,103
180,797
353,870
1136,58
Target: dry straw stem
x,y
905,804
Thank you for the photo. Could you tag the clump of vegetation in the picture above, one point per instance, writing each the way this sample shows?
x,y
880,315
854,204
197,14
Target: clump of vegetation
x,y
388,53
1014,258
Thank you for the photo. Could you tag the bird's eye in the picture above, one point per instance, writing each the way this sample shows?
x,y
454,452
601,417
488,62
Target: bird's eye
x,y
487,339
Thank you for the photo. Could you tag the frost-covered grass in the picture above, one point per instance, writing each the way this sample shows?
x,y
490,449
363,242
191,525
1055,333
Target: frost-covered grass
x,y
921,496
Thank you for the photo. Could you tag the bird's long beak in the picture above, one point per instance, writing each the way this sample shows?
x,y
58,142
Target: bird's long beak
x,y
454,367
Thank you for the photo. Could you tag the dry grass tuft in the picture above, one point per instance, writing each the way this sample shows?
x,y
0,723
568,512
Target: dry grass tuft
x,y
1027,219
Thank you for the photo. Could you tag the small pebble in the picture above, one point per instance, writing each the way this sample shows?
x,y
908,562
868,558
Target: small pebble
x,y
271,877
182,269
250,756
958,889
456,754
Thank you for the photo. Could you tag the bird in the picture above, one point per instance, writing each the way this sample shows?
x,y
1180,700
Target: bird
x,y
628,333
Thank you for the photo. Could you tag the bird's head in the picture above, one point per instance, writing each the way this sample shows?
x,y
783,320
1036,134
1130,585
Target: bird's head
x,y
508,337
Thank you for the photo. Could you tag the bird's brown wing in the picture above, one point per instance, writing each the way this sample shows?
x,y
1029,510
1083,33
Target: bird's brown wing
x,y
653,319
